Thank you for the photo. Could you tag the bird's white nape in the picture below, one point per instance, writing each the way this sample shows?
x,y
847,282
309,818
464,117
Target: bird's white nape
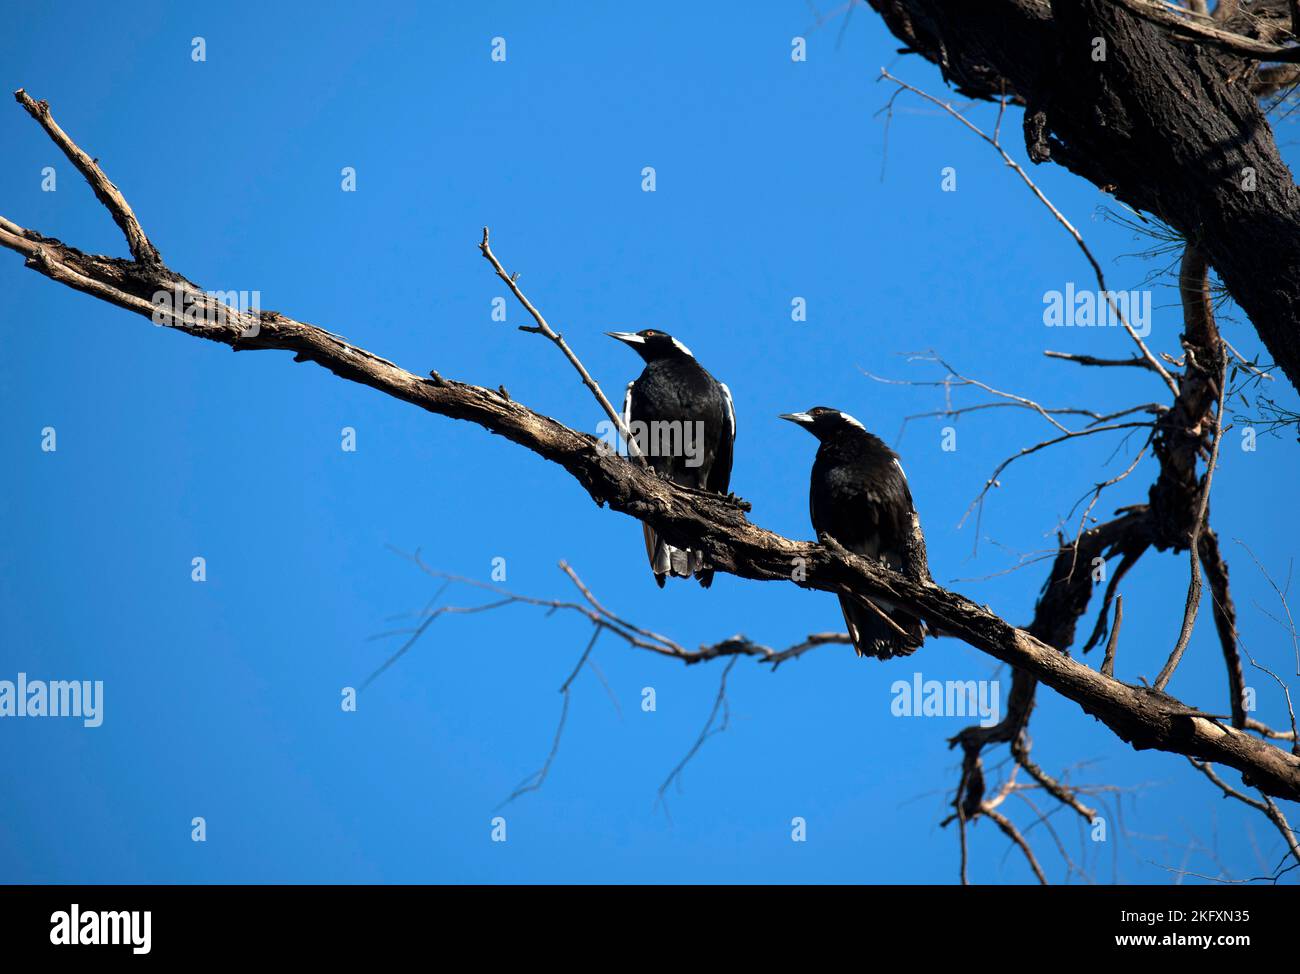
x,y
852,422
682,348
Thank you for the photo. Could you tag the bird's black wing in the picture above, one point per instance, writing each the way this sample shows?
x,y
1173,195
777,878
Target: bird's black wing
x,y
911,543
719,478
890,532
651,541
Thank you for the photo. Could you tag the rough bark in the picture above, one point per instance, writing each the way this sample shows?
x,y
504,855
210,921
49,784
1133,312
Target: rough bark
x,y
1164,124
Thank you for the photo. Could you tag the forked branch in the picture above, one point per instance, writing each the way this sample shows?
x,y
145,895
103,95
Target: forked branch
x,y
684,517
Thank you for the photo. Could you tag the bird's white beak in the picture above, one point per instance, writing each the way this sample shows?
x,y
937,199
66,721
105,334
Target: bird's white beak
x,y
802,419
627,337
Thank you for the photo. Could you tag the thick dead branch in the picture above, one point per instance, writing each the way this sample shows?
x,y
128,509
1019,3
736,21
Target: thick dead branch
x,y
1166,126
1060,218
1182,502
1194,551
686,518
1192,28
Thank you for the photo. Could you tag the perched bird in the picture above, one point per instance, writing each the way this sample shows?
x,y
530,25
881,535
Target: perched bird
x,y
683,420
859,497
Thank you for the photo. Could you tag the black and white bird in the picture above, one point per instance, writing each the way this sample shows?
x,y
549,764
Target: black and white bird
x,y
682,418
859,496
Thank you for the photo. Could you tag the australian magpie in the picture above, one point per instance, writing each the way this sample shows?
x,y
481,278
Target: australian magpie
x,y
683,420
859,497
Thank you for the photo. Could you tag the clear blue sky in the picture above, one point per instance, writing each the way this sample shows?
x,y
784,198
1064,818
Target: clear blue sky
x,y
222,698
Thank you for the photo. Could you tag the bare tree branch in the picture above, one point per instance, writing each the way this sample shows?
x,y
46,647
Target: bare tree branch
x,y
1014,835
1151,360
719,720
1265,805
1194,549
1282,598
1141,118
1108,664
535,780
108,194
1135,362
1190,28
685,517
542,328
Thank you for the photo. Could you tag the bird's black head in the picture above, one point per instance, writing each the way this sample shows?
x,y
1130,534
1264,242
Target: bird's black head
x,y
651,344
824,422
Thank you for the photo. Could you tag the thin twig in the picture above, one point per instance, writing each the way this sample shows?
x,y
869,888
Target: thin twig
x,y
1014,835
720,707
535,780
415,636
542,328
1263,804
1136,362
1025,451
1295,639
1060,218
